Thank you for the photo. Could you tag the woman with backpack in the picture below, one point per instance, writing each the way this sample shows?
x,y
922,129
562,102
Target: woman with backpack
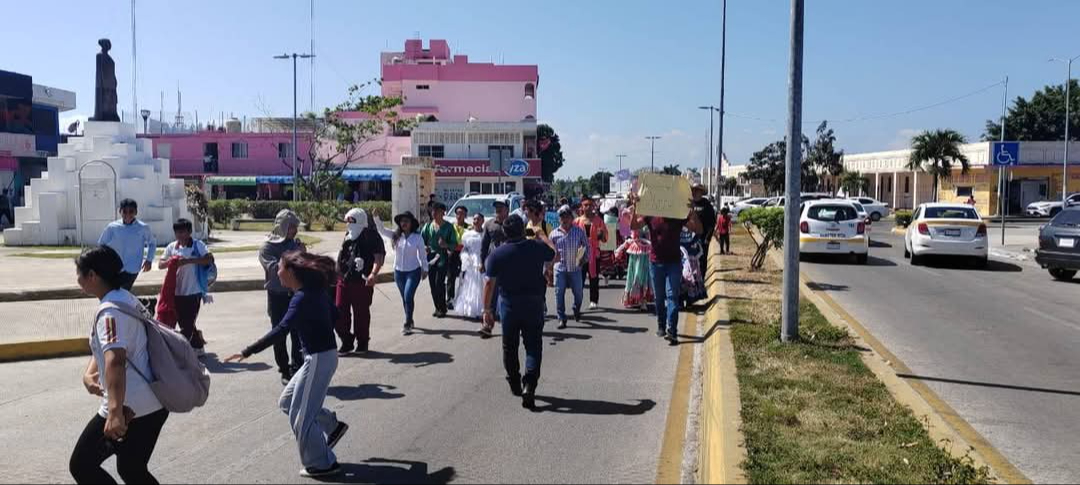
x,y
130,418
312,315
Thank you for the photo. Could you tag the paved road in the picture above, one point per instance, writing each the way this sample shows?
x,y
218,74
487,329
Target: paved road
x,y
427,408
998,345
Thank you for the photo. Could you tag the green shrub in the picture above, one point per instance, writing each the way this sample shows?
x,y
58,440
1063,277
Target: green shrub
x,y
326,214
903,218
769,221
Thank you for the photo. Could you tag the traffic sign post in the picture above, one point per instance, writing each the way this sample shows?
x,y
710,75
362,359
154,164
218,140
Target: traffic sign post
x,y
1005,153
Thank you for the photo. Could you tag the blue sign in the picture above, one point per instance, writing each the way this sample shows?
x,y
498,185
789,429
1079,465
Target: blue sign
x,y
1005,153
623,175
517,168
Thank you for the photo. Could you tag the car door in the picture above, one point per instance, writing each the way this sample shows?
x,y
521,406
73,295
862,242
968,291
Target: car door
x,y
911,227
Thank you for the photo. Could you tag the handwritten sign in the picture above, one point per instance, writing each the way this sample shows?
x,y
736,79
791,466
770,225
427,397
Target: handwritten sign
x,y
663,196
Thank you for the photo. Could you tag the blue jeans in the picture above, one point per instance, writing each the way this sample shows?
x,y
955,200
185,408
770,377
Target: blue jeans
x,y
302,400
407,283
667,281
564,280
522,321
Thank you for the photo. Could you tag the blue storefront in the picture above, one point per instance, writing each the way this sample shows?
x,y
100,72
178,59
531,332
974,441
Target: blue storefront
x,y
29,129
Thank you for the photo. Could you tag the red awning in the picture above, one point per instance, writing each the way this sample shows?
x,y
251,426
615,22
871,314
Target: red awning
x,y
9,163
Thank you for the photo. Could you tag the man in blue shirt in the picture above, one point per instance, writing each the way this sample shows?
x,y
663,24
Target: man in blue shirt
x,y
517,269
132,240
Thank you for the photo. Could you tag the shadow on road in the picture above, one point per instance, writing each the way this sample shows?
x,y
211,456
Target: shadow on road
x,y
380,470
879,244
420,359
216,366
587,323
946,262
813,285
557,337
844,260
450,334
989,384
363,391
584,406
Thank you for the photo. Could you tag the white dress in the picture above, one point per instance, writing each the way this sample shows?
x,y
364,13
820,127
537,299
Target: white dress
x,y
469,301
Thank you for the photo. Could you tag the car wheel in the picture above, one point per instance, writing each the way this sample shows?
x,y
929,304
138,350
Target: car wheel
x,y
907,254
916,260
1062,274
875,216
862,258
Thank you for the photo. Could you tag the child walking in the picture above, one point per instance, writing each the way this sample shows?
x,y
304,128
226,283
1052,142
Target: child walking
x,y
636,251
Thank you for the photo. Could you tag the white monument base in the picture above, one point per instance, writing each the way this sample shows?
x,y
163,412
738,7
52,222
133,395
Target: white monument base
x,y
79,194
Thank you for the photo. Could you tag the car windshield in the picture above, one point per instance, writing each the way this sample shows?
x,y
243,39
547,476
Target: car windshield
x,y
859,207
482,206
951,213
832,213
1067,218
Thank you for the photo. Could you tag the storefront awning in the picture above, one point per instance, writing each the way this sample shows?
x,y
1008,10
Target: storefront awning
x,y
366,175
274,179
234,181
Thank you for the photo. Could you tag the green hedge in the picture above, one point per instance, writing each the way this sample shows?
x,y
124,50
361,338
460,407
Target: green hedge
x,y
903,218
322,215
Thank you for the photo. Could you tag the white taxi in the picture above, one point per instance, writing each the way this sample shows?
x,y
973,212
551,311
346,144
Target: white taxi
x,y
948,230
833,227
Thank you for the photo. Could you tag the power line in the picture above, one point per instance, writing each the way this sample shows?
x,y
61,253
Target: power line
x,y
877,116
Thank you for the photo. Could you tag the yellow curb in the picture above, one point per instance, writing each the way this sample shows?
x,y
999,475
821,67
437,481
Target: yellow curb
x,y
669,468
943,422
722,450
44,350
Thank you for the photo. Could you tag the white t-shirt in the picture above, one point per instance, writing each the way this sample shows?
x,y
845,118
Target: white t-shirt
x,y
116,330
187,277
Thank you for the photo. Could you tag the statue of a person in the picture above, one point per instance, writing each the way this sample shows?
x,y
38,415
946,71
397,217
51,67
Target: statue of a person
x,y
105,85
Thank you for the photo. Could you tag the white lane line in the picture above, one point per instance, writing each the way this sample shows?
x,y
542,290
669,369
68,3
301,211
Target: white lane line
x,y
1053,318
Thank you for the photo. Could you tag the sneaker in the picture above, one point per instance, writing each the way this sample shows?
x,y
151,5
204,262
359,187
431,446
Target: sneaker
x,y
672,339
316,473
485,332
285,380
346,349
407,330
515,385
335,435
593,306
562,324
528,397
661,333
577,315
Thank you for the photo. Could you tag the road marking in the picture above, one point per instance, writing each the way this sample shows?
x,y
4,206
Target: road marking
x,y
669,468
1051,317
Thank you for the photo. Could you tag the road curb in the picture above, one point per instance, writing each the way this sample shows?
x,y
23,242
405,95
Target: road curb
x,y
899,231
722,449
47,349
942,421
72,293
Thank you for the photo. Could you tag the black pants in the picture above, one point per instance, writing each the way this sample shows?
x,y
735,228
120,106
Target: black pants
x,y
437,280
452,273
127,280
187,312
277,304
523,325
594,289
703,259
725,244
132,455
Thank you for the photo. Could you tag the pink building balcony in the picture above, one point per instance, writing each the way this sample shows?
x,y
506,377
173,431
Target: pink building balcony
x,y
237,154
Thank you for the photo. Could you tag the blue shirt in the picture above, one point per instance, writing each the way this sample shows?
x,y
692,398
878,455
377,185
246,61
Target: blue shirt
x,y
519,268
130,241
568,242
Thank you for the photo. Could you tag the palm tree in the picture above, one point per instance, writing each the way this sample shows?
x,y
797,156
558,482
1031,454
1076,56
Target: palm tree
x,y
934,152
854,183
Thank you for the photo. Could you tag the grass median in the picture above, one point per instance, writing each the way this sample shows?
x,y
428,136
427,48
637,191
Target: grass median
x,y
812,411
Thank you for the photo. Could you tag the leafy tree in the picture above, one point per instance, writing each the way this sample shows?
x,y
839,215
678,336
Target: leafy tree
x,y
551,155
821,159
934,152
671,170
767,165
729,185
600,183
769,222
1040,119
854,183
337,141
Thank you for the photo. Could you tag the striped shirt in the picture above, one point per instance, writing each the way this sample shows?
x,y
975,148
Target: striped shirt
x,y
569,244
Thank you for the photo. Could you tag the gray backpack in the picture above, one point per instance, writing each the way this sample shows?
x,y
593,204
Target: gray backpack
x,y
179,381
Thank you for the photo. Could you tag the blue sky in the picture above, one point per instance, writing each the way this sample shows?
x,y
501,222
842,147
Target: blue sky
x,y
611,72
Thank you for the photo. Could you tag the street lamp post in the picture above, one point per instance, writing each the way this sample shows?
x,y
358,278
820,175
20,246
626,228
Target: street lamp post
x,y
295,159
790,311
652,157
145,119
1065,159
713,179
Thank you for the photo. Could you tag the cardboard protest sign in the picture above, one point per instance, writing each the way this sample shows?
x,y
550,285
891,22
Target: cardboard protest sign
x,y
662,195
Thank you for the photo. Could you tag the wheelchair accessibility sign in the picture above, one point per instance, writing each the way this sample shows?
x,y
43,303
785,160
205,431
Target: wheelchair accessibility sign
x,y
1005,153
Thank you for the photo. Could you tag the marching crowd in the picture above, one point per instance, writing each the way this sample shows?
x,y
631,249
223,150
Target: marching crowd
x,y
489,271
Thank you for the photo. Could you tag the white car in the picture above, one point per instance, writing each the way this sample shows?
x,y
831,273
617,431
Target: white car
x,y
1049,208
949,230
863,215
833,227
484,204
876,209
746,204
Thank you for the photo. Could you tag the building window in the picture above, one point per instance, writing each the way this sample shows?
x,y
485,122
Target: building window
x,y
239,150
964,192
433,151
284,150
907,185
474,187
210,157
888,185
509,187
164,150
530,91
423,87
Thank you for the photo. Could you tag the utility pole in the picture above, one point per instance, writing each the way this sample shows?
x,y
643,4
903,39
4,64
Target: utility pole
x,y
790,326
1065,160
712,176
652,158
1002,191
620,157
295,158
134,69
723,65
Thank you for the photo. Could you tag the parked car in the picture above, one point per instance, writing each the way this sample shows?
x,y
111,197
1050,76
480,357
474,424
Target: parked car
x,y
1048,208
833,227
746,204
875,208
1059,245
808,196
946,229
863,215
485,204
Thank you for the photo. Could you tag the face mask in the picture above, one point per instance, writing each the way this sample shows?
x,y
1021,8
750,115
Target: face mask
x,y
355,228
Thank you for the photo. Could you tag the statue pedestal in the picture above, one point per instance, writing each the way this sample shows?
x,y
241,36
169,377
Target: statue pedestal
x,y
79,194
